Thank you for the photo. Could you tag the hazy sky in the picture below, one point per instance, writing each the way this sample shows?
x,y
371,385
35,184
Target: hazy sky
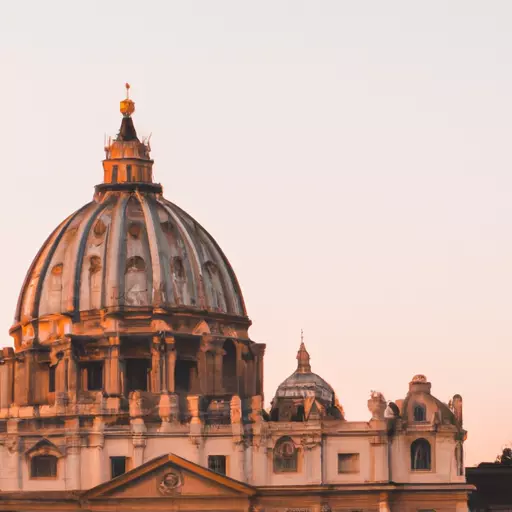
x,y
351,158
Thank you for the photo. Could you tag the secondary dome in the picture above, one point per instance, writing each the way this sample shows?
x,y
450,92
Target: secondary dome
x,y
129,248
304,394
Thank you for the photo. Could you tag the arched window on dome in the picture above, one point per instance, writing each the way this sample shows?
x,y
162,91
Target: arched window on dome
x,y
419,412
229,373
421,456
136,288
285,456
95,282
55,288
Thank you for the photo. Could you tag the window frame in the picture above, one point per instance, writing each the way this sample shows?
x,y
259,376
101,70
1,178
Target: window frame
x,y
34,460
118,458
430,467
224,458
277,458
357,456
423,408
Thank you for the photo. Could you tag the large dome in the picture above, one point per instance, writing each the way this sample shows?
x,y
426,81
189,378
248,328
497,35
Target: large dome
x,y
128,249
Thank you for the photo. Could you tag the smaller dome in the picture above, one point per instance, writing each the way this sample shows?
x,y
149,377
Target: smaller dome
x,y
305,392
304,385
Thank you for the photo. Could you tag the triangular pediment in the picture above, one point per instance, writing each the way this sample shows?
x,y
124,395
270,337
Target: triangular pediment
x,y
170,476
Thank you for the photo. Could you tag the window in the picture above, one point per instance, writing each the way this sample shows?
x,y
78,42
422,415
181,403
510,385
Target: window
x,y
94,375
459,459
51,379
217,463
285,456
117,466
114,173
137,374
348,462
420,455
128,173
419,413
43,466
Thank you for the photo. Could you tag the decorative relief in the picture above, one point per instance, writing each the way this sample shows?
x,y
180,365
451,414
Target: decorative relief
x,y
170,483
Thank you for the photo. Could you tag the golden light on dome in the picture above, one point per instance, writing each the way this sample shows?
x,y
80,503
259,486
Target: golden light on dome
x,y
127,106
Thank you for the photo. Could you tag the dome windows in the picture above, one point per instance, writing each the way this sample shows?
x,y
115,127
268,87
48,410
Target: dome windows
x,y
55,288
99,228
95,278
135,282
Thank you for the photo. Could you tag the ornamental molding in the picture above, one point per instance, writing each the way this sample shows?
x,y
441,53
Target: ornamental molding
x,y
170,483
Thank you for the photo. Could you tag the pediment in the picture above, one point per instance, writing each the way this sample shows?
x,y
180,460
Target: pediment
x,y
170,476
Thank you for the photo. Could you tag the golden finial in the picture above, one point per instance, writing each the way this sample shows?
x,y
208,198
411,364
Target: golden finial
x,y
127,105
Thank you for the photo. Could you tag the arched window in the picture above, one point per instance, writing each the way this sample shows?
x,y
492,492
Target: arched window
x,y
421,455
285,456
419,412
95,282
56,288
43,466
135,282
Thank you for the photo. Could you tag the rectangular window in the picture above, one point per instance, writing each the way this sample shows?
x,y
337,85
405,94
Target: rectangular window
x,y
51,379
348,462
217,463
128,173
43,466
94,375
117,466
137,371
114,173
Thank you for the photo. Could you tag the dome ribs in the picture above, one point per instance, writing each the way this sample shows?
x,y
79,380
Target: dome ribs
x,y
72,298
48,260
191,250
115,254
157,298
28,275
137,286
238,299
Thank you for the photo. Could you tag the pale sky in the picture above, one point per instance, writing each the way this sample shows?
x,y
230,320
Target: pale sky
x,y
352,159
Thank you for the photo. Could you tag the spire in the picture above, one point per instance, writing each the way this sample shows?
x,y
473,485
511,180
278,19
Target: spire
x,y
303,365
127,108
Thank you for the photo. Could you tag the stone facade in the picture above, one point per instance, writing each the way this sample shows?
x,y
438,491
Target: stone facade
x,y
133,380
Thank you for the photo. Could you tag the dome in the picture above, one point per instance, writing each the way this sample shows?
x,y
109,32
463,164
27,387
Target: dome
x,y
129,248
304,392
304,385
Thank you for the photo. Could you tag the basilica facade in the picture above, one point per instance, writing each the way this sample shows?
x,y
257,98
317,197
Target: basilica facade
x,y
133,383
